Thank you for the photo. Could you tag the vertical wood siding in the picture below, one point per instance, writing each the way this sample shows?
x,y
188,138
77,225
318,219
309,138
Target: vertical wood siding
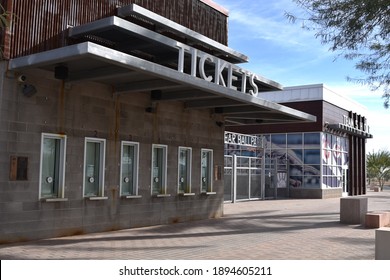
x,y
41,25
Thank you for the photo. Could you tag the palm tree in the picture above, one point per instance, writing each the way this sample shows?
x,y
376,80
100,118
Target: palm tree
x,y
378,166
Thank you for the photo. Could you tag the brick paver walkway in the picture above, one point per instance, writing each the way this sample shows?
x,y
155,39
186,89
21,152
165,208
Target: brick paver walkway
x,y
277,229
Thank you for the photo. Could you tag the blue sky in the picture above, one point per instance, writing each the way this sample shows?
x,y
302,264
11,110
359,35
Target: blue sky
x,y
290,55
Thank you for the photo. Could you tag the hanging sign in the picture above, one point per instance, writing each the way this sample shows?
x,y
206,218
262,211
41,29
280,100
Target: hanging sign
x,y
356,121
243,139
224,73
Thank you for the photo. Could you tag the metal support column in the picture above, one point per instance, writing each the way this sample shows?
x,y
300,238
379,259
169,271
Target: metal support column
x,y
234,178
263,175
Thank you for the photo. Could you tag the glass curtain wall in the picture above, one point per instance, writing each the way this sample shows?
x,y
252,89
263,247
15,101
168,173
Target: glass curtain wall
x,y
335,160
311,160
299,155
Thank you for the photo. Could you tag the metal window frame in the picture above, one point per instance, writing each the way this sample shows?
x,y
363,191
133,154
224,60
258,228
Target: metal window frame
x,y
210,189
135,168
189,170
163,190
62,162
101,166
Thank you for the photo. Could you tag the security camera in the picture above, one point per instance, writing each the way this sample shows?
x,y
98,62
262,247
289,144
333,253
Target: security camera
x,y
22,78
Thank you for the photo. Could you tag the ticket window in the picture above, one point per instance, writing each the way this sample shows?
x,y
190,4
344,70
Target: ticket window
x,y
52,166
159,169
184,170
129,169
206,170
94,164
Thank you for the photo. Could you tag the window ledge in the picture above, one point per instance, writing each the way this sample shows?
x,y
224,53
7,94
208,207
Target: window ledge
x,y
97,198
209,193
54,199
131,196
161,195
186,194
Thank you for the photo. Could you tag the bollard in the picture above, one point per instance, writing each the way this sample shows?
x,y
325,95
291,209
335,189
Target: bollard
x,y
353,209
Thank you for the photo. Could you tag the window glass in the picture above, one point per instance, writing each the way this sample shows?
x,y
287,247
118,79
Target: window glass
x,y
334,142
295,156
242,161
52,178
296,181
228,161
255,162
94,167
326,170
267,141
344,144
268,159
326,152
312,139
159,169
312,182
325,181
294,140
278,140
231,149
345,159
296,170
279,154
206,170
312,156
312,170
129,168
185,155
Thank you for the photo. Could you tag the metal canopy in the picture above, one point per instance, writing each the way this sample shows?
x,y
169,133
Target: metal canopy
x,y
130,38
190,37
131,58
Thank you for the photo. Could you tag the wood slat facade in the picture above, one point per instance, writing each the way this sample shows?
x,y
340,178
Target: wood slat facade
x,y
41,25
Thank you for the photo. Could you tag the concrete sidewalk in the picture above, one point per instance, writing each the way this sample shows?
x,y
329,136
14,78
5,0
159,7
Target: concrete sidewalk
x,y
273,229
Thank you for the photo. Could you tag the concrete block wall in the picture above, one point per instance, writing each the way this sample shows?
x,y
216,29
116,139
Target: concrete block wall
x,y
315,193
88,109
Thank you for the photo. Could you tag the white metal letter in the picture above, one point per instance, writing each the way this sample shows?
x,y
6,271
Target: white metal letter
x,y
182,49
231,77
255,89
243,81
202,62
219,67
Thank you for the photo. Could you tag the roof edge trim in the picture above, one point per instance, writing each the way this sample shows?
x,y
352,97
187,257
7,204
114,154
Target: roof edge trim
x,y
216,7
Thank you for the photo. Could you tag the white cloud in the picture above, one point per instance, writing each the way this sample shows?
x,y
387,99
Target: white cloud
x,y
356,91
271,25
379,128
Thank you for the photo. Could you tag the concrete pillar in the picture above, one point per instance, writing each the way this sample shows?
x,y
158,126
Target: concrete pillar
x,y
382,243
353,209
